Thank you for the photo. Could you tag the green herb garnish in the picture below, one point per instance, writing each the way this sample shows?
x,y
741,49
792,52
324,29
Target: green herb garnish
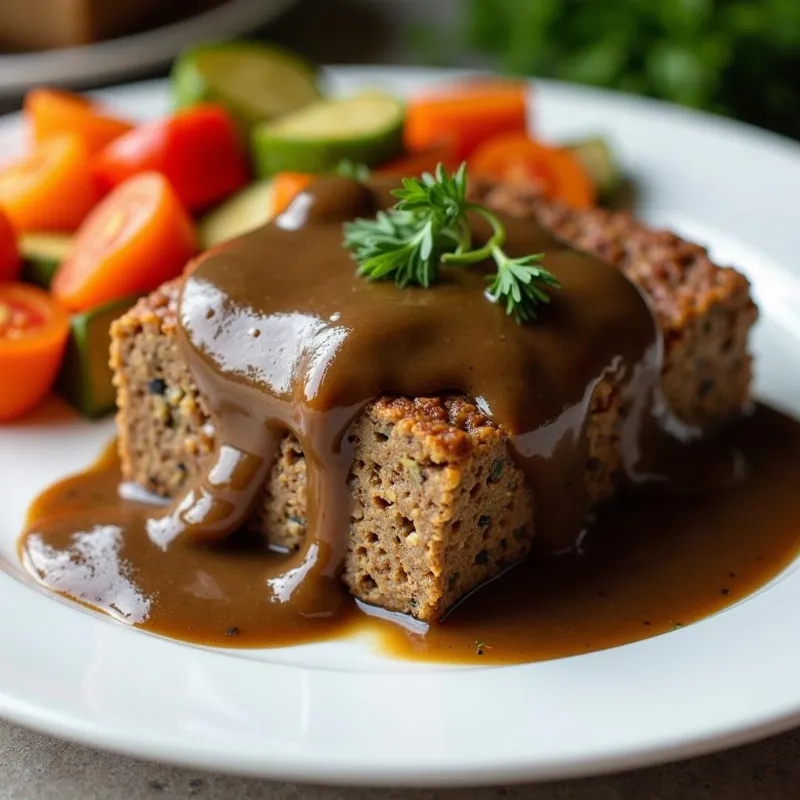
x,y
429,226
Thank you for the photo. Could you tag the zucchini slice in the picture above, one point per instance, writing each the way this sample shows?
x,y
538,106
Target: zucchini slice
x,y
247,210
41,255
254,81
366,129
599,162
85,376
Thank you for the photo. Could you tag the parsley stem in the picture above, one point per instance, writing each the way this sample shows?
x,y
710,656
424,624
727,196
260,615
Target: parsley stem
x,y
495,243
429,226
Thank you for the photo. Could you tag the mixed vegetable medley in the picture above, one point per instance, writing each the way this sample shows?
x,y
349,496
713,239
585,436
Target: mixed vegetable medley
x,y
101,210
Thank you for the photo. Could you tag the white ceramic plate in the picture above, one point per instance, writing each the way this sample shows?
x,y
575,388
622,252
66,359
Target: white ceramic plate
x,y
112,60
339,712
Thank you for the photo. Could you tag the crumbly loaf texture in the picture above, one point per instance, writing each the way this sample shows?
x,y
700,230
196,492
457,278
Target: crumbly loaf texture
x,y
705,312
439,506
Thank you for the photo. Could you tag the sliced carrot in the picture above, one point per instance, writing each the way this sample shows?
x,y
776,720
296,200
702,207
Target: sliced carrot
x,y
467,112
135,239
50,189
33,334
286,186
53,113
10,261
551,171
415,163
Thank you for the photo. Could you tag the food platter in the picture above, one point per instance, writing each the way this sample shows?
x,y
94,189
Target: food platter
x,y
310,712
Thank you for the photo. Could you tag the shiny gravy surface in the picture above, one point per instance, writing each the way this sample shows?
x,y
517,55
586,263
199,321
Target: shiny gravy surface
x,y
648,566
281,335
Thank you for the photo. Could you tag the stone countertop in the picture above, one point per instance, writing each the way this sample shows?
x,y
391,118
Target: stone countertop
x,y
37,767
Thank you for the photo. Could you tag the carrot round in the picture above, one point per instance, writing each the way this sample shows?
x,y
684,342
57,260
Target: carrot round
x,y
51,188
10,261
552,171
135,239
33,334
467,112
53,113
285,186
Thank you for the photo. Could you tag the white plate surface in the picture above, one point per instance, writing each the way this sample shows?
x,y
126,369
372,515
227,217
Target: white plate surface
x,y
340,712
112,60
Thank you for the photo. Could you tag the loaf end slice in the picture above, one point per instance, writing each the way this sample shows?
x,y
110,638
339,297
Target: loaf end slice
x,y
705,312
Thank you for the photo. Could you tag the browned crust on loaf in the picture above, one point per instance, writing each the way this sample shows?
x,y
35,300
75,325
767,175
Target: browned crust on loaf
x,y
439,505
704,311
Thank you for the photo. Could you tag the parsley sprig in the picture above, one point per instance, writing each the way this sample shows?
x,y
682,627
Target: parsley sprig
x,y
429,226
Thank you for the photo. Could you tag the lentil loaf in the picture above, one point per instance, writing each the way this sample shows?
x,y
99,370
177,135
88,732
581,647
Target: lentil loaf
x,y
439,506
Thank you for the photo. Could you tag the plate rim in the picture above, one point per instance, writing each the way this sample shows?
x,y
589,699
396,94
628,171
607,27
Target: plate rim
x,y
709,738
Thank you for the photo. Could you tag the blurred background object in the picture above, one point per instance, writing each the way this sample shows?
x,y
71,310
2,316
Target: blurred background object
x,y
82,43
45,24
735,57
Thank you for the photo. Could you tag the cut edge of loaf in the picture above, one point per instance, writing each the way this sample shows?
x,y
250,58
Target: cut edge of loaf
x,y
439,506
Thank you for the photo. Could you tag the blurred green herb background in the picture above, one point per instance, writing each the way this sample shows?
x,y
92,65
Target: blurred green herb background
x,y
734,57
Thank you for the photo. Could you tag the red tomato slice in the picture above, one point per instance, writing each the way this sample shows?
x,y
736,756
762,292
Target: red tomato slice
x,y
33,333
198,150
414,163
134,240
10,262
551,171
51,188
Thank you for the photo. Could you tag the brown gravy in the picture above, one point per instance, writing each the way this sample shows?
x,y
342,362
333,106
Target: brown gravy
x,y
648,566
281,335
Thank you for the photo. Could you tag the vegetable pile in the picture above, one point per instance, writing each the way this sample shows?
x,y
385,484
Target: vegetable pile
x,y
101,210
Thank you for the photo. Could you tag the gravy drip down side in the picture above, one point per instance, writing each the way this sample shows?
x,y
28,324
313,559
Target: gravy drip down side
x,y
650,565
281,334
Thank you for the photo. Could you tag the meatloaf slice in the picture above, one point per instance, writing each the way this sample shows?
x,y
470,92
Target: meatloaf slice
x,y
439,505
